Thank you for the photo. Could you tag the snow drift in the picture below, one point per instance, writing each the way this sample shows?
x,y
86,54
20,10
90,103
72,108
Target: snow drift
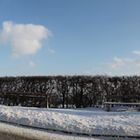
x,y
81,121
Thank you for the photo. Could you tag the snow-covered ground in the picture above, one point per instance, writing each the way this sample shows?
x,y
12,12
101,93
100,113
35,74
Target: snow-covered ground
x,y
17,133
81,121
20,133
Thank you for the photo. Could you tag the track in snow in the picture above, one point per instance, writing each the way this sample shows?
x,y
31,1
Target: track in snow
x,y
72,133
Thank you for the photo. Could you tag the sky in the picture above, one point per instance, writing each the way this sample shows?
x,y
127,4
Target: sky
x,y
69,37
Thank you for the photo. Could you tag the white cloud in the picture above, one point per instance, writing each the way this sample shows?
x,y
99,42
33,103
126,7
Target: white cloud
x,y
32,64
121,62
117,62
136,52
25,39
50,50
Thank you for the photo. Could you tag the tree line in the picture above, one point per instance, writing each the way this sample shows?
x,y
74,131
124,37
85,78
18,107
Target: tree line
x,y
68,91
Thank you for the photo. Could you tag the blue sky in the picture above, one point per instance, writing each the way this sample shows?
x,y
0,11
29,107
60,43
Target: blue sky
x,y
68,37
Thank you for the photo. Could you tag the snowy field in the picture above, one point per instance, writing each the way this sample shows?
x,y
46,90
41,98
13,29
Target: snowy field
x,y
81,121
19,133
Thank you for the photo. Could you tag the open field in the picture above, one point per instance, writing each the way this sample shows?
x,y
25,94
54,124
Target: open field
x,y
12,132
89,122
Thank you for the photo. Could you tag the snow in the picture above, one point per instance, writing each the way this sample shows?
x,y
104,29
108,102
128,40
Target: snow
x,y
28,134
16,132
73,120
